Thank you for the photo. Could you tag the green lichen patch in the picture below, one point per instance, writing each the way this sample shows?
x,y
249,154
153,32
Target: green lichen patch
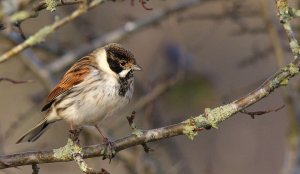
x,y
294,46
293,69
192,124
284,12
210,117
200,121
296,12
282,4
189,131
274,82
39,36
66,152
284,82
137,132
84,167
189,128
81,163
51,5
219,114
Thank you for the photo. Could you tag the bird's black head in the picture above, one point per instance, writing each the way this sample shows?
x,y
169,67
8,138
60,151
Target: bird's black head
x,y
120,60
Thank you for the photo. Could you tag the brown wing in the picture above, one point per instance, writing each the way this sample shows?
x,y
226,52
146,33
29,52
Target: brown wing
x,y
73,76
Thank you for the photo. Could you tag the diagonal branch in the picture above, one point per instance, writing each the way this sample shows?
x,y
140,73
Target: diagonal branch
x,y
210,117
120,33
47,30
20,16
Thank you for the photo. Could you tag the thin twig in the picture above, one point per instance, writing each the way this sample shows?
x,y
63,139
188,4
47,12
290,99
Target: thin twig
x,y
291,162
34,12
285,16
33,62
120,33
15,81
20,30
78,158
35,169
143,4
136,131
256,113
2,27
157,91
130,120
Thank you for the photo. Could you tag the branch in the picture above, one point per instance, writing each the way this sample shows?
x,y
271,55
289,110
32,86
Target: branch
x,y
78,158
2,27
188,127
47,30
44,72
157,91
43,5
256,113
35,169
137,131
15,81
120,33
143,4
74,150
33,62
19,15
285,14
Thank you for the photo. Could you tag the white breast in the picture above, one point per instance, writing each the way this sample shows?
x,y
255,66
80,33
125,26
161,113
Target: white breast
x,y
101,99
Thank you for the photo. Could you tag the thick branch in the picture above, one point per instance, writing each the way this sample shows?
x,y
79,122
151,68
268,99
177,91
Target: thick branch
x,y
188,127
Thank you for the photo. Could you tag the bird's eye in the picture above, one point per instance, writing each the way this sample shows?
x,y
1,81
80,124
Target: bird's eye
x,y
123,63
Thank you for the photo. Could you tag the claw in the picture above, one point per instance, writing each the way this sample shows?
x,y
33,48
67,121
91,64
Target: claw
x,y
110,147
109,150
74,134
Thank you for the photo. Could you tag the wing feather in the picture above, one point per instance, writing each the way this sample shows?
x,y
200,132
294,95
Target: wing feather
x,y
74,76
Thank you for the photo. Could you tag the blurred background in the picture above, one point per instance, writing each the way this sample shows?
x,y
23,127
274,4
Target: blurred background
x,y
195,55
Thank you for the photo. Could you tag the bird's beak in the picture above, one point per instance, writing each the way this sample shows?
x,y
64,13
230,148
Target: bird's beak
x,y
136,68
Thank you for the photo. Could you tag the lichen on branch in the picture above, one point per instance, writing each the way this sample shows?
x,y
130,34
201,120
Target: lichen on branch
x,y
51,5
66,152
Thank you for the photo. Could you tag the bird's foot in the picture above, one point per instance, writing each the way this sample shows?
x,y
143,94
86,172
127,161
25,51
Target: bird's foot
x,y
109,149
74,134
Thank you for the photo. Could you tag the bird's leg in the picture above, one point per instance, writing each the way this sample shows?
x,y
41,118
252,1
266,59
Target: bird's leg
x,y
109,145
74,133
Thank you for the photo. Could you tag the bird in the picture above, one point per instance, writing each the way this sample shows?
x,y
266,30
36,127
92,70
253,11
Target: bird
x,y
95,87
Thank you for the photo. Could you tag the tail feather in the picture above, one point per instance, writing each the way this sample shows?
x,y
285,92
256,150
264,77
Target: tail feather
x,y
34,133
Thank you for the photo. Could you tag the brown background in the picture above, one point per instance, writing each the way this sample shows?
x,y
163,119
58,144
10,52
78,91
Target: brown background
x,y
241,145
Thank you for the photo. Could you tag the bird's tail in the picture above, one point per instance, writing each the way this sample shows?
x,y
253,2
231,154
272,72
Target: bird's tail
x,y
34,133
